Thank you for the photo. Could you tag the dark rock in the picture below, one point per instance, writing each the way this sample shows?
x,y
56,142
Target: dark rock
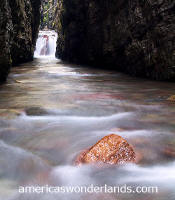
x,y
36,111
5,38
19,24
136,37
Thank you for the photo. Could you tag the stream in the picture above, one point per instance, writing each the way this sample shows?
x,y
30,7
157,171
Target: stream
x,y
51,110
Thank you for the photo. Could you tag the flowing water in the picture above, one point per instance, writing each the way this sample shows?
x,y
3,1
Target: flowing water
x,y
46,44
51,110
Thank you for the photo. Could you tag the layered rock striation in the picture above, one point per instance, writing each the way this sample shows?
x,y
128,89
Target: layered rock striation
x,y
19,24
136,37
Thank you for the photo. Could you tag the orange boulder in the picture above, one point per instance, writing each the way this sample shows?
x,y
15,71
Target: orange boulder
x,y
111,149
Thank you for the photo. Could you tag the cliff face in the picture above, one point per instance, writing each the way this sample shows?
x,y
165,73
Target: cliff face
x,y
137,37
5,35
19,22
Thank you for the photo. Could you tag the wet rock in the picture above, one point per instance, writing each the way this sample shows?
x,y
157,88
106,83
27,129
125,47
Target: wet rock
x,y
25,17
111,149
136,37
171,98
36,111
5,37
169,151
80,158
19,24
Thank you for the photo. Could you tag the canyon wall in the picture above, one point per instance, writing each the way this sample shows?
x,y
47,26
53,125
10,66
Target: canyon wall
x,y
19,23
133,36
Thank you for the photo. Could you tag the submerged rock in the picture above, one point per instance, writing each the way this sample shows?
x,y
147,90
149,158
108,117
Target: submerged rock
x,y
36,111
111,149
169,151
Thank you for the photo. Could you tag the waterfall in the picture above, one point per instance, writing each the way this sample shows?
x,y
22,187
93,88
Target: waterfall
x,y
46,44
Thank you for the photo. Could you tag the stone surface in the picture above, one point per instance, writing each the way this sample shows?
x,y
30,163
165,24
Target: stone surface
x,y
36,111
111,149
136,37
169,151
5,37
171,98
19,23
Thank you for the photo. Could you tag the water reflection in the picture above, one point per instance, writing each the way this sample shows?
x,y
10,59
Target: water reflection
x,y
50,111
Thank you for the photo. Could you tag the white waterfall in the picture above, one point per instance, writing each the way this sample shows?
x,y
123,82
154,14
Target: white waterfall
x,y
46,44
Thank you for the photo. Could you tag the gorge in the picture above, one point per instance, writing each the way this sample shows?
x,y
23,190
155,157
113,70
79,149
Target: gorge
x,y
129,36
132,36
87,100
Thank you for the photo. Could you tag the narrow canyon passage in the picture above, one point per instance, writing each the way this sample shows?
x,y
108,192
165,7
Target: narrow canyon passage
x,y
87,100
51,110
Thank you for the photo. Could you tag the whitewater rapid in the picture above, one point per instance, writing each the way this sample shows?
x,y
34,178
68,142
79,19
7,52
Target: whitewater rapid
x,y
46,44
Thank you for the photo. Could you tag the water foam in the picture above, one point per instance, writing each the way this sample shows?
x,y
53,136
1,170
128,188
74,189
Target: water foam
x,y
46,44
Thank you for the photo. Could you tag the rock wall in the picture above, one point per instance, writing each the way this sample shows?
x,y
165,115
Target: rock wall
x,y
133,36
19,23
5,35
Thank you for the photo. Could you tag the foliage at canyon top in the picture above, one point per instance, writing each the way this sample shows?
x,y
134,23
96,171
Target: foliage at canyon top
x,y
48,9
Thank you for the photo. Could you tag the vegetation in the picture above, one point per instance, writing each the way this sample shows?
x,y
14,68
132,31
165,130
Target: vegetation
x,y
47,14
